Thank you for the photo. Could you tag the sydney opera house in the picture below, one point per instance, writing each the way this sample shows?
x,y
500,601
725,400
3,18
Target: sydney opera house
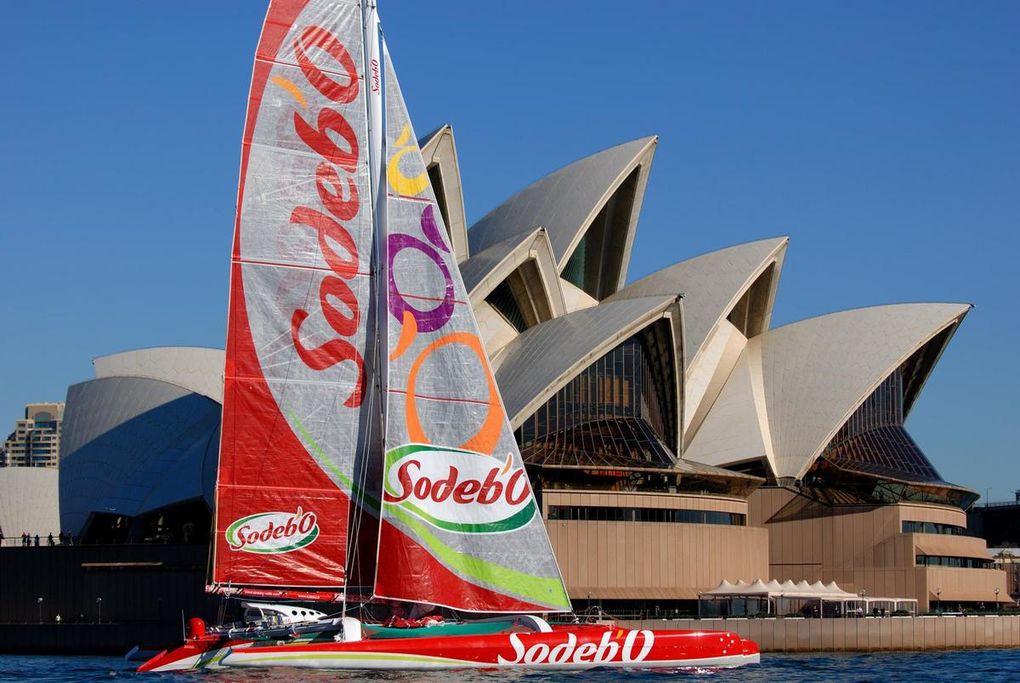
x,y
674,436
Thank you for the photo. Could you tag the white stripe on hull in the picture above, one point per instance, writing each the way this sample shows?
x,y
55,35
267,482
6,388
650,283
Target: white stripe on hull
x,y
402,661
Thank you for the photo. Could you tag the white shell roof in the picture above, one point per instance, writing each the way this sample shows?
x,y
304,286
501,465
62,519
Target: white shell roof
x,y
194,368
565,202
484,271
135,444
794,387
535,365
711,285
28,502
142,435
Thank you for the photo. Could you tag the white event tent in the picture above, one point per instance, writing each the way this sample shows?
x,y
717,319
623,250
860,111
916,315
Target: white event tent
x,y
774,598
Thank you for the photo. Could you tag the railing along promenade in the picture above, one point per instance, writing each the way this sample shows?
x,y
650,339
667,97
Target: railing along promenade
x,y
860,634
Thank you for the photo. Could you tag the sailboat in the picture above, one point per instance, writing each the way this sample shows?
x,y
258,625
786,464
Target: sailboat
x,y
365,451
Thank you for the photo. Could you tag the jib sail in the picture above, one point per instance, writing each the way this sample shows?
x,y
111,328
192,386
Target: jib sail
x,y
459,524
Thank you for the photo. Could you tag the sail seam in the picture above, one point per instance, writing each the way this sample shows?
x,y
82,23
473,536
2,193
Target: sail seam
x,y
261,487
296,152
295,65
420,297
296,266
429,397
410,198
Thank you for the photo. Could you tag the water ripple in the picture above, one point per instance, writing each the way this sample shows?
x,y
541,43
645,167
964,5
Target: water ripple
x,y
960,666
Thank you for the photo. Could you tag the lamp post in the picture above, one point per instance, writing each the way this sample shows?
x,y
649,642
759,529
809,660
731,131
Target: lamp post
x,y
99,607
996,599
39,602
938,600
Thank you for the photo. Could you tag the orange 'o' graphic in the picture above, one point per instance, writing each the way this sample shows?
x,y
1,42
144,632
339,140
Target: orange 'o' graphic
x,y
487,436
408,332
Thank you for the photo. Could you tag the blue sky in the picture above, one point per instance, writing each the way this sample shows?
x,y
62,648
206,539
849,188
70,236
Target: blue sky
x,y
883,138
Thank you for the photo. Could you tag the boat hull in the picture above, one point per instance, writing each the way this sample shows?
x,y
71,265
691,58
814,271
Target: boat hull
x,y
560,649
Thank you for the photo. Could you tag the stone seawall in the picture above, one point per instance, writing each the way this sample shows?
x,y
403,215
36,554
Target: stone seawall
x,y
86,639
859,635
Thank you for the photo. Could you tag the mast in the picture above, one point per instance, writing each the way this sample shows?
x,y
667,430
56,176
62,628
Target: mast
x,y
377,155
375,117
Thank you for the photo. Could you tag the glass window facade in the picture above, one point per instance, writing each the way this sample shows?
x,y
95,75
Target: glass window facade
x,y
872,458
933,528
502,299
581,513
436,179
620,411
944,561
595,264
873,440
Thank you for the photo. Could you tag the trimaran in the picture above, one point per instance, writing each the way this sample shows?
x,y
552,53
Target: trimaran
x,y
364,441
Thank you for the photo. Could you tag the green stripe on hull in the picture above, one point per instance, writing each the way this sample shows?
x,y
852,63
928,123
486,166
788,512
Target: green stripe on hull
x,y
349,656
488,628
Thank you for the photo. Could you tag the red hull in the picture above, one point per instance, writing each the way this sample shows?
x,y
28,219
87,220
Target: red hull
x,y
564,648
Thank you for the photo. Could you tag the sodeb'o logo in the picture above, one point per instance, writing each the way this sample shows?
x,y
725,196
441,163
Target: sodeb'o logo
x,y
458,490
273,532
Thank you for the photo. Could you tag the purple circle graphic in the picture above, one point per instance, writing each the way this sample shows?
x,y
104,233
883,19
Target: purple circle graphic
x,y
432,319
431,228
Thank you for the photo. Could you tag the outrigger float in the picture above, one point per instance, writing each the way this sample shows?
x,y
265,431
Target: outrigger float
x,y
363,440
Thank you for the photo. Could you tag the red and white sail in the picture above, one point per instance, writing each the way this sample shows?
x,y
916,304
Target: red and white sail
x,y
296,384
459,524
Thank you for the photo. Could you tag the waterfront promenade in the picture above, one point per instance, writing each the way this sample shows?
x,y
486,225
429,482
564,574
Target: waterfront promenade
x,y
861,635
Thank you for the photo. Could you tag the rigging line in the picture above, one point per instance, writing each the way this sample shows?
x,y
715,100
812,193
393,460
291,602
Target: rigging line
x,y
355,516
353,545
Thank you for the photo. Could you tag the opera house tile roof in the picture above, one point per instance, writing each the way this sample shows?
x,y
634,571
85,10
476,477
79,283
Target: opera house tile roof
x,y
676,369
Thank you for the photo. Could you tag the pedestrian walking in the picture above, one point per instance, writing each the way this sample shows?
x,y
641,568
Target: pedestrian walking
x,y
49,539
37,540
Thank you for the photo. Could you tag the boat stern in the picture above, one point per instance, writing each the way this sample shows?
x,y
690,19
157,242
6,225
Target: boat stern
x,y
750,651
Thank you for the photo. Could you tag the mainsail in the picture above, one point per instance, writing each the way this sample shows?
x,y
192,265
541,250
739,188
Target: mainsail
x,y
295,408
459,524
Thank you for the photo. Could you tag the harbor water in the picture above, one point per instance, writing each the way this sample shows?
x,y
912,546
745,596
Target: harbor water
x,y
958,666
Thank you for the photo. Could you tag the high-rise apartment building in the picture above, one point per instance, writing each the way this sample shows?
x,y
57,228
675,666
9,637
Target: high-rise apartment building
x,y
35,441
